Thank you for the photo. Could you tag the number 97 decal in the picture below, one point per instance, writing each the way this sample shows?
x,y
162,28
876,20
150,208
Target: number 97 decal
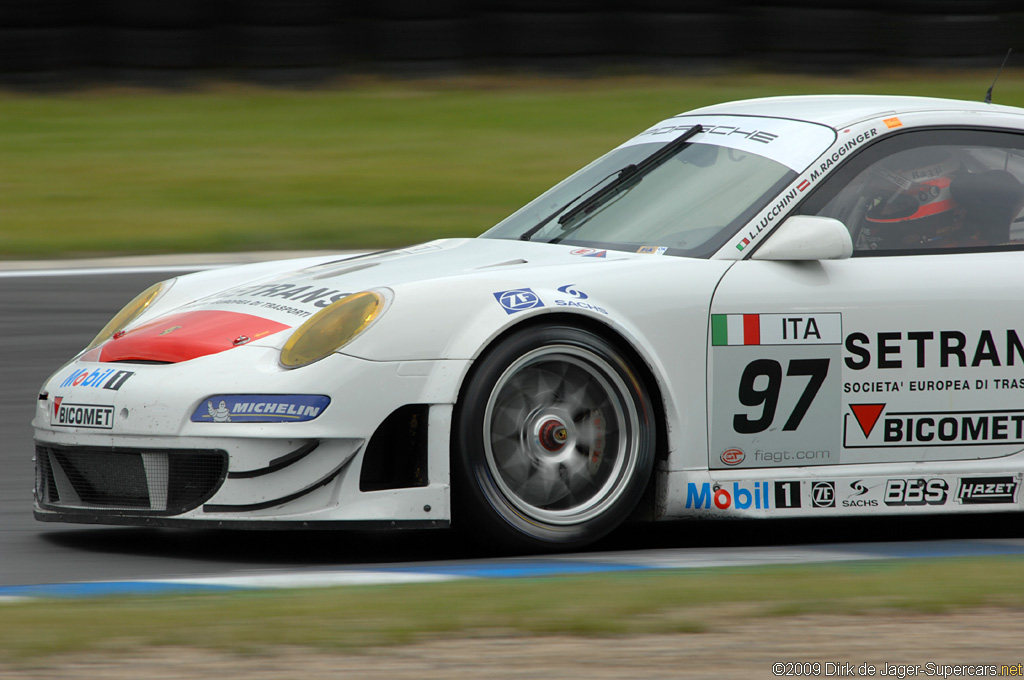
x,y
764,394
770,408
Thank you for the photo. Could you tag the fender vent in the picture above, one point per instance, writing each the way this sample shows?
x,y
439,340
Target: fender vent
x,y
396,457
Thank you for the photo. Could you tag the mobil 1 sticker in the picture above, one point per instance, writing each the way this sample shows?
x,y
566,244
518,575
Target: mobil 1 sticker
x,y
775,389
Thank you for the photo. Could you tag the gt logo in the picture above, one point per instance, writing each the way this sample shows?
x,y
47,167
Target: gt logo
x,y
823,494
733,456
517,300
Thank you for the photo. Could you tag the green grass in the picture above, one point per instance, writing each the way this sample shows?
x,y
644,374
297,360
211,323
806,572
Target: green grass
x,y
364,164
355,618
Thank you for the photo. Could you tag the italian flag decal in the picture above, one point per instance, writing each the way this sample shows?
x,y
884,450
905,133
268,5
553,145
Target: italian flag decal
x,y
735,329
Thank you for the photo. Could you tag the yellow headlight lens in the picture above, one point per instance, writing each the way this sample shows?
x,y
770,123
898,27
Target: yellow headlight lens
x,y
131,311
331,329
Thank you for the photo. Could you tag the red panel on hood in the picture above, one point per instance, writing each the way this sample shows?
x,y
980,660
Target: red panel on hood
x,y
180,337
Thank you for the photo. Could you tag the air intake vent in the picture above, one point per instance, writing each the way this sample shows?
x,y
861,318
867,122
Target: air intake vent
x,y
164,481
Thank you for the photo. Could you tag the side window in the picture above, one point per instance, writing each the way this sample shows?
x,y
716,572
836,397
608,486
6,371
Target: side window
x,y
926,193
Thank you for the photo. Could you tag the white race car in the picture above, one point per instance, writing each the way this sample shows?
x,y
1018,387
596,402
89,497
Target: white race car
x,y
785,307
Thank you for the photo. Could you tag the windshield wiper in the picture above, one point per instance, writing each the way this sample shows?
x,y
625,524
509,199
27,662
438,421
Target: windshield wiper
x,y
631,174
540,225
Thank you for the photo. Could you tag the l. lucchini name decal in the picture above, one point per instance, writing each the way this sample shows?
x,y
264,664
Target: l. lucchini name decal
x,y
260,408
91,416
771,215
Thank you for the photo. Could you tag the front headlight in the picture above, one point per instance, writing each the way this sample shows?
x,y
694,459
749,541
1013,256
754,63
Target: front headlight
x,y
131,311
332,328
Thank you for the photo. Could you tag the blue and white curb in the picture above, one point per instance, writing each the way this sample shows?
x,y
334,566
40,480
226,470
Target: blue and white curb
x,y
574,565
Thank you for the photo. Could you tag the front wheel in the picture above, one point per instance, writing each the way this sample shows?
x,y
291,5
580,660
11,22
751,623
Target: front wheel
x,y
554,442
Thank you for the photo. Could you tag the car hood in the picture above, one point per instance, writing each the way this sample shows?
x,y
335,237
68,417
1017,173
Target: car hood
x,y
249,309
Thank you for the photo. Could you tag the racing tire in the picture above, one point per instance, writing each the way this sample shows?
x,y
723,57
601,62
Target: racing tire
x,y
555,439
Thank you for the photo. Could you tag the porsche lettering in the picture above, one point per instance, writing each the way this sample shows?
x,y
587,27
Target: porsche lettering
x,y
720,130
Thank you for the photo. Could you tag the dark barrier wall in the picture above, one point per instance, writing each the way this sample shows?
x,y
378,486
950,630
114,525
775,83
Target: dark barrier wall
x,y
67,41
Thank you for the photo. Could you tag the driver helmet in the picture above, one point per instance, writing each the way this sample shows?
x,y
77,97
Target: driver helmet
x,y
909,200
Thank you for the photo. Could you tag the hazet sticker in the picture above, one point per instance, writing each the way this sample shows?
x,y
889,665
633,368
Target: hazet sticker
x,y
987,490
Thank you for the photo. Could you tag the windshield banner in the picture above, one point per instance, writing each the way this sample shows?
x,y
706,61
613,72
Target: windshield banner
x,y
795,144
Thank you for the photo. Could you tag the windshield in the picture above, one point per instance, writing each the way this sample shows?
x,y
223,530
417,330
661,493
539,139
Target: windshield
x,y
690,204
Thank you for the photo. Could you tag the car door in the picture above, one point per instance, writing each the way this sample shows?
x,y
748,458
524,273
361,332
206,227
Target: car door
x,y
910,351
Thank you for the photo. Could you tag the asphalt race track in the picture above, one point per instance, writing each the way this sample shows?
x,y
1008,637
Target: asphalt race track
x,y
47,318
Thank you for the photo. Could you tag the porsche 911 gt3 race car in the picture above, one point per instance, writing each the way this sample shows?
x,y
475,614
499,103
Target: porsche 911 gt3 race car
x,y
785,307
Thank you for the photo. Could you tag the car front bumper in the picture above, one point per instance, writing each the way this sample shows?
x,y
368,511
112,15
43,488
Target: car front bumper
x,y
147,461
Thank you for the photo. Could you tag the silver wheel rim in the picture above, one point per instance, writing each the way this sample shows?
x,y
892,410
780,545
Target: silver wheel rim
x,y
559,435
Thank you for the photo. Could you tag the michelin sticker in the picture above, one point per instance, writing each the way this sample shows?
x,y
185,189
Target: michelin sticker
x,y
260,408
776,390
